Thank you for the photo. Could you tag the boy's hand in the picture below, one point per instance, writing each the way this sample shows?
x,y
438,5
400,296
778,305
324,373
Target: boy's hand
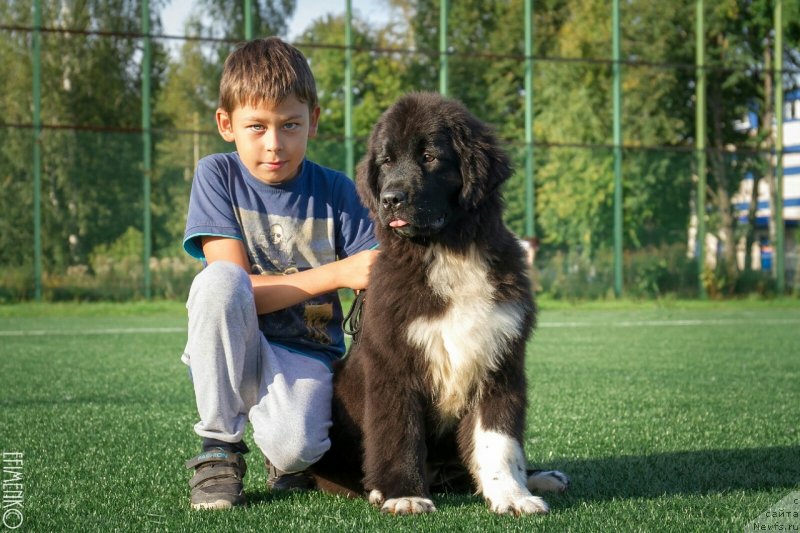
x,y
353,272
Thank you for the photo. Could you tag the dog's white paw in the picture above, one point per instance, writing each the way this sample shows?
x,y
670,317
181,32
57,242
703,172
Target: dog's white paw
x,y
407,505
519,506
376,497
547,481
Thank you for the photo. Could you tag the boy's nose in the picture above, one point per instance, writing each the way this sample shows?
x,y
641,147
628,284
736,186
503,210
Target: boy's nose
x,y
272,141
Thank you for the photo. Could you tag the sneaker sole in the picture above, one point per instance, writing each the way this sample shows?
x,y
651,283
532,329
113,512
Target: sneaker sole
x,y
215,505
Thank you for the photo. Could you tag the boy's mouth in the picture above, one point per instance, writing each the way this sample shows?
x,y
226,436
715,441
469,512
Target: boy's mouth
x,y
274,165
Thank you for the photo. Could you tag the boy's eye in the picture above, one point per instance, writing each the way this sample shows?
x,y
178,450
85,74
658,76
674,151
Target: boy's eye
x,y
256,127
291,126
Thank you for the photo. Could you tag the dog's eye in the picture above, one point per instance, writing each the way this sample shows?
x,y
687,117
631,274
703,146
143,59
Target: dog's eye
x,y
385,160
428,158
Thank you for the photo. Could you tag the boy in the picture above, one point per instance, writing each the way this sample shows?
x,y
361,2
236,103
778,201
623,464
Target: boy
x,y
280,234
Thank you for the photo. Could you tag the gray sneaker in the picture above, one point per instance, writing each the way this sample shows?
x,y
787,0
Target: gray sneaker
x,y
217,481
283,481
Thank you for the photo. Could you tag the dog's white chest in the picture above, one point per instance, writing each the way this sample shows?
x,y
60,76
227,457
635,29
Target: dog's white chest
x,y
467,341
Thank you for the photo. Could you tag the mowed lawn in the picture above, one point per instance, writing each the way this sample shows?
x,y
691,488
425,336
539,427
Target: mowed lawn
x,y
667,417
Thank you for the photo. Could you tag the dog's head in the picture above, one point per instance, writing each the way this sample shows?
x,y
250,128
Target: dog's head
x,y
429,162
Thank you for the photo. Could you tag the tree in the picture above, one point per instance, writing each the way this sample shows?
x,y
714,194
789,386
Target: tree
x,y
378,79
225,20
91,174
16,144
185,107
741,50
573,107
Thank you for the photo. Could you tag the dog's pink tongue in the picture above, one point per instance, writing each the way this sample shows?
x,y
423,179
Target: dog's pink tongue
x,y
398,223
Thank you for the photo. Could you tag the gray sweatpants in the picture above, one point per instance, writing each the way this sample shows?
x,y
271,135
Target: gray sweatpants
x,y
238,375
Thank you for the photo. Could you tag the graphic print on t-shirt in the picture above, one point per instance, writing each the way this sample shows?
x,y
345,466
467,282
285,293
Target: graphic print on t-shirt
x,y
274,250
317,318
278,245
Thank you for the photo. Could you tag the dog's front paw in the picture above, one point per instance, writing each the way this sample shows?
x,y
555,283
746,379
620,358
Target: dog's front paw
x,y
547,481
408,505
376,498
519,506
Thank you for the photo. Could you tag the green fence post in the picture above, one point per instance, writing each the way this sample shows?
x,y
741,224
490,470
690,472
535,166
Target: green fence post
x,y
700,144
780,272
530,193
617,97
444,8
37,149
248,20
147,155
349,141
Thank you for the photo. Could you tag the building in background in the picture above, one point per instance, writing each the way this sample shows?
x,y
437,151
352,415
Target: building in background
x,y
762,253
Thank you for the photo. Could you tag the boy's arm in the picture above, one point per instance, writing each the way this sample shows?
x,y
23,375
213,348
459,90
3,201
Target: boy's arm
x,y
273,293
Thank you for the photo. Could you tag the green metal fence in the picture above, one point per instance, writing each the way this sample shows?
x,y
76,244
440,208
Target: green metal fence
x,y
527,153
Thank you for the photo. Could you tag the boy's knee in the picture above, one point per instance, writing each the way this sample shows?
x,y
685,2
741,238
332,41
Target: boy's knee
x,y
290,449
220,284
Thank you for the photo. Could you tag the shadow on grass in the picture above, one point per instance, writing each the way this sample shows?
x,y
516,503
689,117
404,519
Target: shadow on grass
x,y
689,473
264,496
647,476
443,500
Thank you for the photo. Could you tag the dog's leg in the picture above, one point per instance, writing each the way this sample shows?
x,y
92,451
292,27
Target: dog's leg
x,y
395,453
498,464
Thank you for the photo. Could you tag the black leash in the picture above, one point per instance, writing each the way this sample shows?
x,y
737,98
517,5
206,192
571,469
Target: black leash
x,y
352,321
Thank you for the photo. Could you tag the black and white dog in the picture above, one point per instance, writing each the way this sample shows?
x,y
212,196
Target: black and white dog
x,y
435,384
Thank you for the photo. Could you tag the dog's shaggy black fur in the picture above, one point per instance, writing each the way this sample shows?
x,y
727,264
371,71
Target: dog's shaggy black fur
x,y
436,384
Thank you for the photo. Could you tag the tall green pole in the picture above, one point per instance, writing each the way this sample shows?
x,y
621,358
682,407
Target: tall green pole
x,y
147,154
37,149
530,198
779,243
617,96
444,8
248,19
349,141
700,144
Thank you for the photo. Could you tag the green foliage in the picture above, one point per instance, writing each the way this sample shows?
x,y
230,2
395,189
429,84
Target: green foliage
x,y
86,81
651,272
16,283
92,180
377,81
129,244
114,272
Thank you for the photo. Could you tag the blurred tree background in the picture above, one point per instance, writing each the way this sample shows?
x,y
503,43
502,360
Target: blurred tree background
x,y
92,145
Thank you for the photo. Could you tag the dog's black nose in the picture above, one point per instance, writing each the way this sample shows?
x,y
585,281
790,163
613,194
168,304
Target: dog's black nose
x,y
392,199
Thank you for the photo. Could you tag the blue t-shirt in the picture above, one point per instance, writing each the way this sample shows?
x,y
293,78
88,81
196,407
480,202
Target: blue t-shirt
x,y
312,220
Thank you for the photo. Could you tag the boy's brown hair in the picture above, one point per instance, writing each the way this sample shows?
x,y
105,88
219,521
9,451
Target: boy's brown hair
x,y
266,71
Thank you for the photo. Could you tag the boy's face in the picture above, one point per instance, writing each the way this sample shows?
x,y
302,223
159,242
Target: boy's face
x,y
271,140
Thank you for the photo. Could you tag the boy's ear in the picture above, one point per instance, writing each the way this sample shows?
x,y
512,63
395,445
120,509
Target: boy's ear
x,y
224,125
313,122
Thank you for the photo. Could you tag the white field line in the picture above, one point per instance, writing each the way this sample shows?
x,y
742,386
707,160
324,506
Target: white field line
x,y
674,323
75,332
618,324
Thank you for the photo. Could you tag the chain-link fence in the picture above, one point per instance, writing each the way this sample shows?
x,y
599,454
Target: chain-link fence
x,y
83,203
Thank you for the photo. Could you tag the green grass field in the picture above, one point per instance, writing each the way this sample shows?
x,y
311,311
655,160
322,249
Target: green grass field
x,y
667,417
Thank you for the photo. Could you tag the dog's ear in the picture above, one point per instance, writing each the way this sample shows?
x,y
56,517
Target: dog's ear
x,y
484,164
367,175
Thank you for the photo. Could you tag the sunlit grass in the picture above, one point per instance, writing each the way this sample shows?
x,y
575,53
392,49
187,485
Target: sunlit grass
x,y
667,418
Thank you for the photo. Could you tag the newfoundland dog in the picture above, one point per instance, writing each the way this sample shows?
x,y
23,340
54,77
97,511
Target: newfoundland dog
x,y
433,390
